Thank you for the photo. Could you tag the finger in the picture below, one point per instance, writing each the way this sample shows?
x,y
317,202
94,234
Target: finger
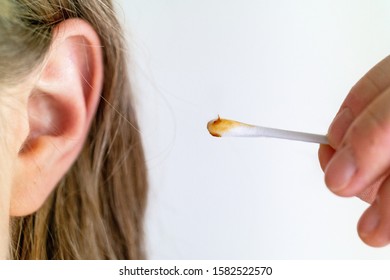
x,y
374,225
362,157
369,194
363,93
325,153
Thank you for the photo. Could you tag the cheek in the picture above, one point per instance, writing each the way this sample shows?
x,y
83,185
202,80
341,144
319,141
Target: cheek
x,y
14,128
6,166
13,132
6,169
7,150
14,125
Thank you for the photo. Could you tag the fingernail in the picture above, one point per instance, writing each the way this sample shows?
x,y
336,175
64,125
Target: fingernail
x,y
369,223
339,126
340,170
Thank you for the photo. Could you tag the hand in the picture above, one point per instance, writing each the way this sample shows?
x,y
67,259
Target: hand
x,y
357,161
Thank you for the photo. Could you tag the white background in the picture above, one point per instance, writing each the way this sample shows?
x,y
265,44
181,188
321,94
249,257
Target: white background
x,y
285,64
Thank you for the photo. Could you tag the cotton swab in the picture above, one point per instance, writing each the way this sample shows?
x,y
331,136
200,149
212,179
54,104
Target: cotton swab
x,y
229,128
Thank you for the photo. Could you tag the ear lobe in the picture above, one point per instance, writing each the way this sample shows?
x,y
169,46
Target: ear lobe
x,y
60,109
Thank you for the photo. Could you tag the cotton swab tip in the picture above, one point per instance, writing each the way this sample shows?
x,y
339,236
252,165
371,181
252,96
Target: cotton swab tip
x,y
223,127
229,128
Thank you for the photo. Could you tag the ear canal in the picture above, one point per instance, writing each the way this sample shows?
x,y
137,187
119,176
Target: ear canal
x,y
45,118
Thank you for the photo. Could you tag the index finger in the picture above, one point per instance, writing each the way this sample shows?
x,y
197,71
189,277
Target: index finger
x,y
360,96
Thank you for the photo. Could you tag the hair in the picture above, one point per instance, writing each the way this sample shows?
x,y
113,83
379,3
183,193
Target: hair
x,y
96,211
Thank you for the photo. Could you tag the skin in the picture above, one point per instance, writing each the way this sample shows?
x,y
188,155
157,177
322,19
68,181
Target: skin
x,y
357,161
48,115
12,132
4,202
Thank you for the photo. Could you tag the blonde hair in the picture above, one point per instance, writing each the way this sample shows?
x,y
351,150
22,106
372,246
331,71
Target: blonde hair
x,y
97,210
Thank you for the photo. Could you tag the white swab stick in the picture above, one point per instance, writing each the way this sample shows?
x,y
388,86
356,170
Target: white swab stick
x,y
229,128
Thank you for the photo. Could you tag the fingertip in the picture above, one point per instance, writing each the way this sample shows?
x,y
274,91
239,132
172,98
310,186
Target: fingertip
x,y
370,228
374,225
367,225
339,126
325,154
340,172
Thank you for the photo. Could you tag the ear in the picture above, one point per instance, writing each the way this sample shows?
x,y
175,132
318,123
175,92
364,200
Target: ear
x,y
60,109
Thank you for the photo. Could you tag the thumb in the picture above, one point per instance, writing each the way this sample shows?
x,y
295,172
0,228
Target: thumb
x,y
364,153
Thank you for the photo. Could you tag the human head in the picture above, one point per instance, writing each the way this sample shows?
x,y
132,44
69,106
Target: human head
x,y
76,175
